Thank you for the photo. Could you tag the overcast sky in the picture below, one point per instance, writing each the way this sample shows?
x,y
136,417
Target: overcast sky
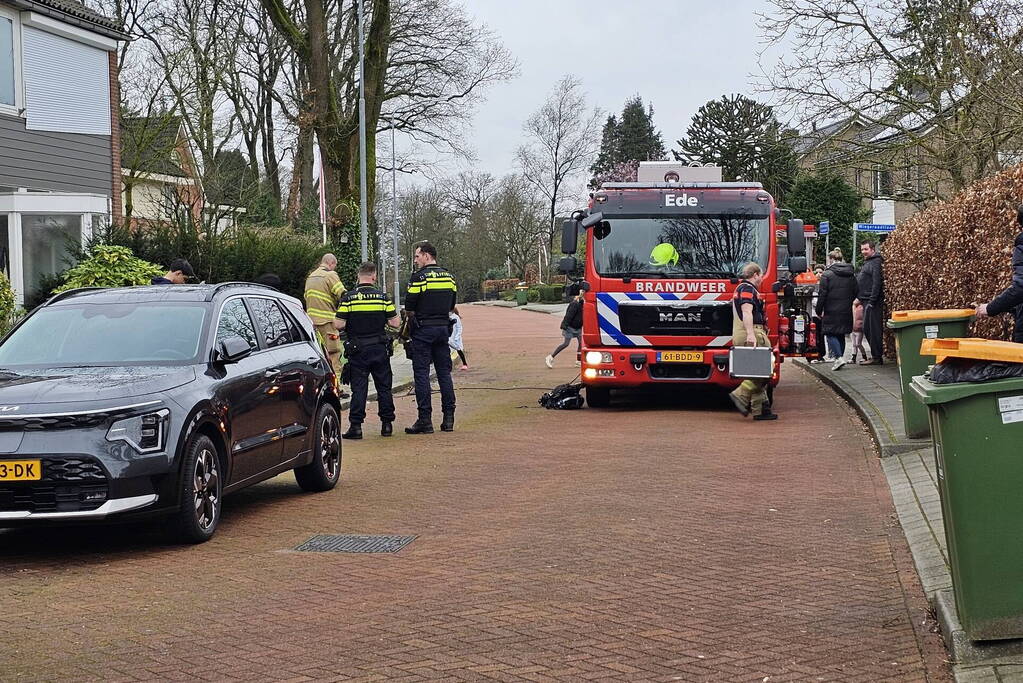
x,y
676,54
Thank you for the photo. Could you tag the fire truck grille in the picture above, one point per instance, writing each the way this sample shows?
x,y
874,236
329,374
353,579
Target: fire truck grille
x,y
682,321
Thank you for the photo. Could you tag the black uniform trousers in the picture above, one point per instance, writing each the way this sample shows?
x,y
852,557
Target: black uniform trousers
x,y
873,329
371,360
430,345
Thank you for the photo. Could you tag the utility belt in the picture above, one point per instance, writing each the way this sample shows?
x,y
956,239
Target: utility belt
x,y
353,345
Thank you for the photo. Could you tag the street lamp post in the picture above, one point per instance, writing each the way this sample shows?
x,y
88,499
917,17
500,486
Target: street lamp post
x,y
394,215
364,230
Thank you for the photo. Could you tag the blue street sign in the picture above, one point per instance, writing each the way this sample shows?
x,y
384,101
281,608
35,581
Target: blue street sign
x,y
873,227
824,228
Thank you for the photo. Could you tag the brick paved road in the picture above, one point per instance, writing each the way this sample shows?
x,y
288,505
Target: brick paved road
x,y
663,542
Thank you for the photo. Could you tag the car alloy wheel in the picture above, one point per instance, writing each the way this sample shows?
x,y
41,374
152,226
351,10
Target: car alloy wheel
x,y
206,488
330,444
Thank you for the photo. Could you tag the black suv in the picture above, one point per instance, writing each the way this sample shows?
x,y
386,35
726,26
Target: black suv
x,y
142,401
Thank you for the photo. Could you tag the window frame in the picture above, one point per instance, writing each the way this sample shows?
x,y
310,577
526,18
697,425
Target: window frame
x,y
248,312
249,299
18,108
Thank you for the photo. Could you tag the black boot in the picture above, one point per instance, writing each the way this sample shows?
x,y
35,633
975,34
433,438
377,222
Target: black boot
x,y
386,429
422,426
766,415
448,423
354,431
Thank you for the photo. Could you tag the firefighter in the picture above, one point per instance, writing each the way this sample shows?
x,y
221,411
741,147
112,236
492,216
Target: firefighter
x,y
429,299
1011,299
748,329
363,315
323,291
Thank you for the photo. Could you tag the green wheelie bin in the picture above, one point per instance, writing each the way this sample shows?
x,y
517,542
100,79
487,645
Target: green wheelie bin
x,y
978,431
910,329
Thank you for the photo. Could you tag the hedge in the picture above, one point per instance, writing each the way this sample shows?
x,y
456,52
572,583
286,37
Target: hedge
x,y
957,253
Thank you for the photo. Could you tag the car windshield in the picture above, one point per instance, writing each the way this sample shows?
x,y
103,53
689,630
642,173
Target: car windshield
x,y
107,334
681,246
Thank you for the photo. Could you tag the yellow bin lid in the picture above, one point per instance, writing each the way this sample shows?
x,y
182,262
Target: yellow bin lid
x,y
977,349
936,314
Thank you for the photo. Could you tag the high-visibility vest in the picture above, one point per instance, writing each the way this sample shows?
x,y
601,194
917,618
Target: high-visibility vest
x,y
323,290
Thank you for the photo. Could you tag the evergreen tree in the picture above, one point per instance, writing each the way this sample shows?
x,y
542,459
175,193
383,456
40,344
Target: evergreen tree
x,y
625,140
825,196
744,138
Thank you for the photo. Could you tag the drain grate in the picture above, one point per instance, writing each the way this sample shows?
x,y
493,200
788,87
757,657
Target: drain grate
x,y
355,543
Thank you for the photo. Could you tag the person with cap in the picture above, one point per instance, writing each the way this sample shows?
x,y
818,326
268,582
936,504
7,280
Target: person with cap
x,y
430,297
749,329
1011,298
323,292
178,270
363,315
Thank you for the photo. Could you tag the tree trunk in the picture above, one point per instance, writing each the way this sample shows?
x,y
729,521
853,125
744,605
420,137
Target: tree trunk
x,y
301,187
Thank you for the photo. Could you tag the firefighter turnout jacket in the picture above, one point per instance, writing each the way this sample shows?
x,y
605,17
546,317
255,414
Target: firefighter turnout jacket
x,y
323,291
431,296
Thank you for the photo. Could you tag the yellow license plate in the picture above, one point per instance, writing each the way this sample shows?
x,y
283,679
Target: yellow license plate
x,y
680,356
20,470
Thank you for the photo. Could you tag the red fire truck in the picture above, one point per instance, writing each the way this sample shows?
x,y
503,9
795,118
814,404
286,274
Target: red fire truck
x,y
661,263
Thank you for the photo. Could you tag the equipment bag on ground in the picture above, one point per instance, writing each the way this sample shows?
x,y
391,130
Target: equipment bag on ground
x,y
563,397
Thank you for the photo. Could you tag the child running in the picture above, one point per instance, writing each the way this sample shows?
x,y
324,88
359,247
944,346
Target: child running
x,y
571,328
455,338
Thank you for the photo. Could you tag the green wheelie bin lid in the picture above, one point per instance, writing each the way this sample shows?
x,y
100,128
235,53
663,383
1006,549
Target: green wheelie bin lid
x,y
931,394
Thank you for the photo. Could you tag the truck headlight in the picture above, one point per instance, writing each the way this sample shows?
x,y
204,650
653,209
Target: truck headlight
x,y
598,357
145,433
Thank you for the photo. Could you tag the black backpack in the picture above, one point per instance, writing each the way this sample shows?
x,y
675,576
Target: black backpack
x,y
563,397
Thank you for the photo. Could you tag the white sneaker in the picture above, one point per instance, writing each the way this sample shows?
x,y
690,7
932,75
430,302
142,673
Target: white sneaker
x,y
839,364
549,360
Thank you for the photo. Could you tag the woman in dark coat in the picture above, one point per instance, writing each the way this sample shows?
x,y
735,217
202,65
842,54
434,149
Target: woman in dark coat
x,y
834,305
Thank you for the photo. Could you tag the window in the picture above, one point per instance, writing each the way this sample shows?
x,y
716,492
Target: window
x,y
295,329
276,330
884,184
48,245
235,322
8,61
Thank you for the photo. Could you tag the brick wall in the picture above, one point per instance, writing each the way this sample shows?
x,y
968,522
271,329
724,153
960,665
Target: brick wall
x,y
115,142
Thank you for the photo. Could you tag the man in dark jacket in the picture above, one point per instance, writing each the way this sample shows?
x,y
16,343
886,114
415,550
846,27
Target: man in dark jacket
x,y
835,296
571,328
870,282
1011,299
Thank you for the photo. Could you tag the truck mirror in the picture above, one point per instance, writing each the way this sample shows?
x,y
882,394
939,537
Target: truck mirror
x,y
796,240
592,220
567,265
797,264
602,230
569,236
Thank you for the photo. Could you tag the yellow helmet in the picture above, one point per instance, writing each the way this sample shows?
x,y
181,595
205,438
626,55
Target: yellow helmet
x,y
664,254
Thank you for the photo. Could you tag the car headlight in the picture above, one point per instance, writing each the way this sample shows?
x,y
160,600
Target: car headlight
x,y
145,433
597,357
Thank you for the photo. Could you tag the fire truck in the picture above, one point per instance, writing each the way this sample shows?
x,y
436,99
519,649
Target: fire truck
x,y
662,258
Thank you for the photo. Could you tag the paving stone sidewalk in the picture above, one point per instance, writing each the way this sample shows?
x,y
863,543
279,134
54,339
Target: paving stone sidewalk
x,y
875,392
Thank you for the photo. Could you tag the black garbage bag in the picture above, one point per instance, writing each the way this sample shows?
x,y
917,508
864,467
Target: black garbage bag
x,y
953,370
563,397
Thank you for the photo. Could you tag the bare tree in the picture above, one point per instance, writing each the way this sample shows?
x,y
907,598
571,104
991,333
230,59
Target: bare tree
x,y
562,141
518,222
938,77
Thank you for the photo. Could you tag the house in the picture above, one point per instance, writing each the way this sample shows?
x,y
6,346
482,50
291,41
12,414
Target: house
x,y
60,172
161,179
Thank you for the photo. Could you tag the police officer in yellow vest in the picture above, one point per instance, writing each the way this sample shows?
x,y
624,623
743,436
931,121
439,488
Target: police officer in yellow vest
x,y
363,314
748,329
323,291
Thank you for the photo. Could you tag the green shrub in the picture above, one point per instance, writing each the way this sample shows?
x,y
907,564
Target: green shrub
x,y
533,295
551,294
9,312
110,266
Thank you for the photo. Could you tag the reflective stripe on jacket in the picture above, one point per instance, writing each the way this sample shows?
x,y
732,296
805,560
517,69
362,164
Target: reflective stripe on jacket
x,y
323,291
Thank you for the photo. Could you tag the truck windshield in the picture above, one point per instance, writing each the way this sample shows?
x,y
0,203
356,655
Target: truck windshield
x,y
685,246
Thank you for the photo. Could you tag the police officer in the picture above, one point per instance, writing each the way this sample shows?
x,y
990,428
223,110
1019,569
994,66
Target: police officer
x,y
323,291
429,299
748,321
363,314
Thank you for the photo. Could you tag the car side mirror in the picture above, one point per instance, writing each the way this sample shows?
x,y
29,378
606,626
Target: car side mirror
x,y
232,349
